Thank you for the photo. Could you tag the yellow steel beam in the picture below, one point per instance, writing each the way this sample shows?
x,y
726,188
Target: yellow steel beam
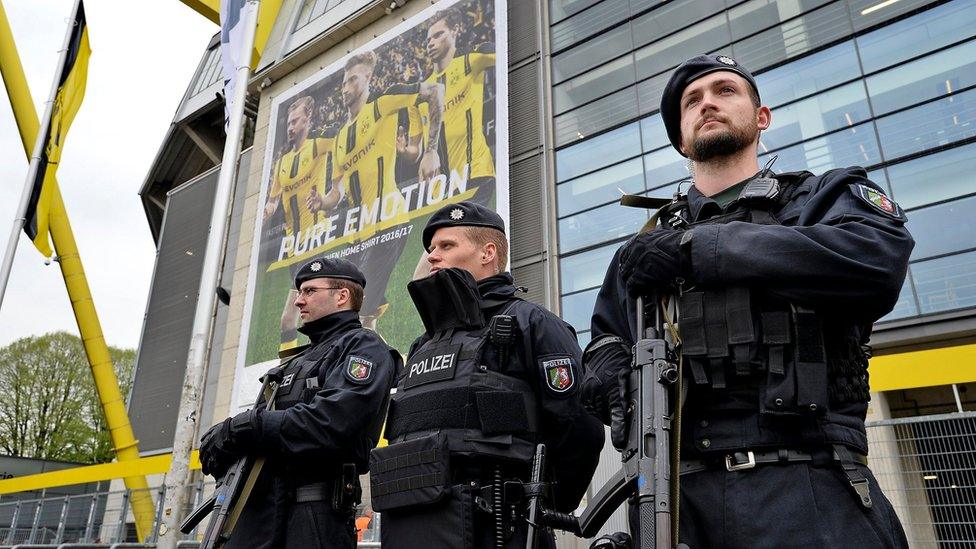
x,y
73,273
93,473
207,8
267,14
927,368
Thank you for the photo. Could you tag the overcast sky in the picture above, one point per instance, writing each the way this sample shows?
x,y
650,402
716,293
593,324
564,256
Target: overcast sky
x,y
143,56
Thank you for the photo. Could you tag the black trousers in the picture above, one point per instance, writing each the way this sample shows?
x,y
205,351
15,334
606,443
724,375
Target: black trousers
x,y
798,505
308,525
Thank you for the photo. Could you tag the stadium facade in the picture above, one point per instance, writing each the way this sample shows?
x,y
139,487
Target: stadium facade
x,y
888,85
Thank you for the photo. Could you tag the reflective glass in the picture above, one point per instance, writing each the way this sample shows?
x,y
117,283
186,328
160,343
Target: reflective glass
x,y
560,9
794,37
649,93
595,83
599,225
935,177
653,132
600,187
925,78
943,228
608,148
664,166
578,309
672,50
583,25
591,53
905,306
841,107
928,126
809,75
603,113
916,35
946,283
852,147
878,176
757,15
670,17
585,270
583,338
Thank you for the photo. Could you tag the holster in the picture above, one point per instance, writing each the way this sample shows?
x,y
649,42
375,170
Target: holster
x,y
347,493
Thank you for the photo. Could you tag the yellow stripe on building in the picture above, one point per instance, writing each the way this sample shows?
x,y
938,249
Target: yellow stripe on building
x,y
93,473
927,368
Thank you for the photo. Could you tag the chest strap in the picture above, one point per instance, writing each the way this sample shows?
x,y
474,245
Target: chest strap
x,y
493,412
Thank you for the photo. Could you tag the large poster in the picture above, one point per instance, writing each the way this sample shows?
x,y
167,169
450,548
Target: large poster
x,y
361,154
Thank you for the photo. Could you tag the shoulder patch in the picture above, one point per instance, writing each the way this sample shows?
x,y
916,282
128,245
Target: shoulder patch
x,y
878,201
358,370
558,372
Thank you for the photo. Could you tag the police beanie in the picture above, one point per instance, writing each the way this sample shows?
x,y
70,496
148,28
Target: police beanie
x,y
462,214
685,74
330,268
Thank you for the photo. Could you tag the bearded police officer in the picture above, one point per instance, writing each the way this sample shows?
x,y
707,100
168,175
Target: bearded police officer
x,y
780,279
491,376
328,413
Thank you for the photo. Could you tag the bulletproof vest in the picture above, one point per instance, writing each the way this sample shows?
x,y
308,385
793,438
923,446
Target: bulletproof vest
x,y
454,385
745,350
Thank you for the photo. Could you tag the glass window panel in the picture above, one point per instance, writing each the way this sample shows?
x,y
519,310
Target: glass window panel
x,y
603,113
943,228
653,133
905,306
926,31
757,15
583,25
841,107
928,126
600,187
794,37
649,93
599,225
608,148
925,78
672,50
664,166
935,177
879,177
809,75
589,54
586,270
670,17
584,338
578,309
854,147
560,9
595,83
868,13
946,283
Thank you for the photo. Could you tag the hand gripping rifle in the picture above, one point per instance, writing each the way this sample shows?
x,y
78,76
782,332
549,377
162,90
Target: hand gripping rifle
x,y
232,492
649,454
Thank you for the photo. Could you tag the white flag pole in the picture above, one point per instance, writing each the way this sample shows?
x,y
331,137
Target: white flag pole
x,y
20,219
186,426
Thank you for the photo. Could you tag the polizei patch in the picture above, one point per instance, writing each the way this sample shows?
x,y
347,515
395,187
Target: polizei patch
x,y
877,200
358,369
437,364
559,374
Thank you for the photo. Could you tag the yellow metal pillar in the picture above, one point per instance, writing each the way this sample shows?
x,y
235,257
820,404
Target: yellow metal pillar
x,y
106,383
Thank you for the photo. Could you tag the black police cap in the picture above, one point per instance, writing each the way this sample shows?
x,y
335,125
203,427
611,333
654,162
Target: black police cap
x,y
685,74
330,268
462,214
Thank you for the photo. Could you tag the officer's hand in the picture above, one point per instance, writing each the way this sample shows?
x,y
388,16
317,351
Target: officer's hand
x,y
604,359
216,454
652,260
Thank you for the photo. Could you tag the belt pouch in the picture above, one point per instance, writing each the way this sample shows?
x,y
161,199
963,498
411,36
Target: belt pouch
x,y
779,395
409,473
811,363
693,343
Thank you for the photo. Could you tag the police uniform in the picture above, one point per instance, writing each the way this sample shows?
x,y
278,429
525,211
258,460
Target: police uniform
x,y
779,289
492,376
328,413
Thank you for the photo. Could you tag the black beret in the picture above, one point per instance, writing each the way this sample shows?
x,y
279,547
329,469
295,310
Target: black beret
x,y
685,74
462,214
330,268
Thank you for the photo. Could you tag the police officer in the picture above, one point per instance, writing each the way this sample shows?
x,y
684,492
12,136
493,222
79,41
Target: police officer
x,y
492,376
328,413
781,277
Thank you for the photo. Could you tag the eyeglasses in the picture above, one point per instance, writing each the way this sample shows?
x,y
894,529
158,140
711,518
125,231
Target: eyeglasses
x,y
307,292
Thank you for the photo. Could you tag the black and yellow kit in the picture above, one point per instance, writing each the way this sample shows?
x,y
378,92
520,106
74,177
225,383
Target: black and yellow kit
x,y
295,174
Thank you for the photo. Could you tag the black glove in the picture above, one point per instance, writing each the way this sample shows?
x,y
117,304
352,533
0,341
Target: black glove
x,y
228,441
652,260
607,361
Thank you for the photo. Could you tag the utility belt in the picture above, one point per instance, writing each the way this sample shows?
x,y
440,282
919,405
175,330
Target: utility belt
x,y
343,492
837,454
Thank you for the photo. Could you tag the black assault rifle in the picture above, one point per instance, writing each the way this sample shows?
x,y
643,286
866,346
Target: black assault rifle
x,y
648,455
235,486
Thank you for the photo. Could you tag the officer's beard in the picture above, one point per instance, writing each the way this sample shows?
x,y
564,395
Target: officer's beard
x,y
723,145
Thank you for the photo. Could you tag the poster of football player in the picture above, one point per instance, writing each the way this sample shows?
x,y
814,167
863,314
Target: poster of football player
x,y
358,157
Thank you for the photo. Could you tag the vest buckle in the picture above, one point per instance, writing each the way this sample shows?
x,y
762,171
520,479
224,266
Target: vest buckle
x,y
733,463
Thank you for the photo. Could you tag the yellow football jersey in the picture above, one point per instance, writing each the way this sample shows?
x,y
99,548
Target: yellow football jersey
x,y
295,174
464,88
365,154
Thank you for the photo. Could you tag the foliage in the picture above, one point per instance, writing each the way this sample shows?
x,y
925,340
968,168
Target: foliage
x,y
49,408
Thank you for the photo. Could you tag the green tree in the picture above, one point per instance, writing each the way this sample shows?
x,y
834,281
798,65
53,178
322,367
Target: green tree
x,y
49,408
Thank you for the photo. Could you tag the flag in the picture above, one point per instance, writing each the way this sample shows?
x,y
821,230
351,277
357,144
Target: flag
x,y
233,14
67,101
267,15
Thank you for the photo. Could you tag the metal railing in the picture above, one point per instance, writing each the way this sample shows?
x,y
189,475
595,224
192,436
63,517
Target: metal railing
x,y
926,466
